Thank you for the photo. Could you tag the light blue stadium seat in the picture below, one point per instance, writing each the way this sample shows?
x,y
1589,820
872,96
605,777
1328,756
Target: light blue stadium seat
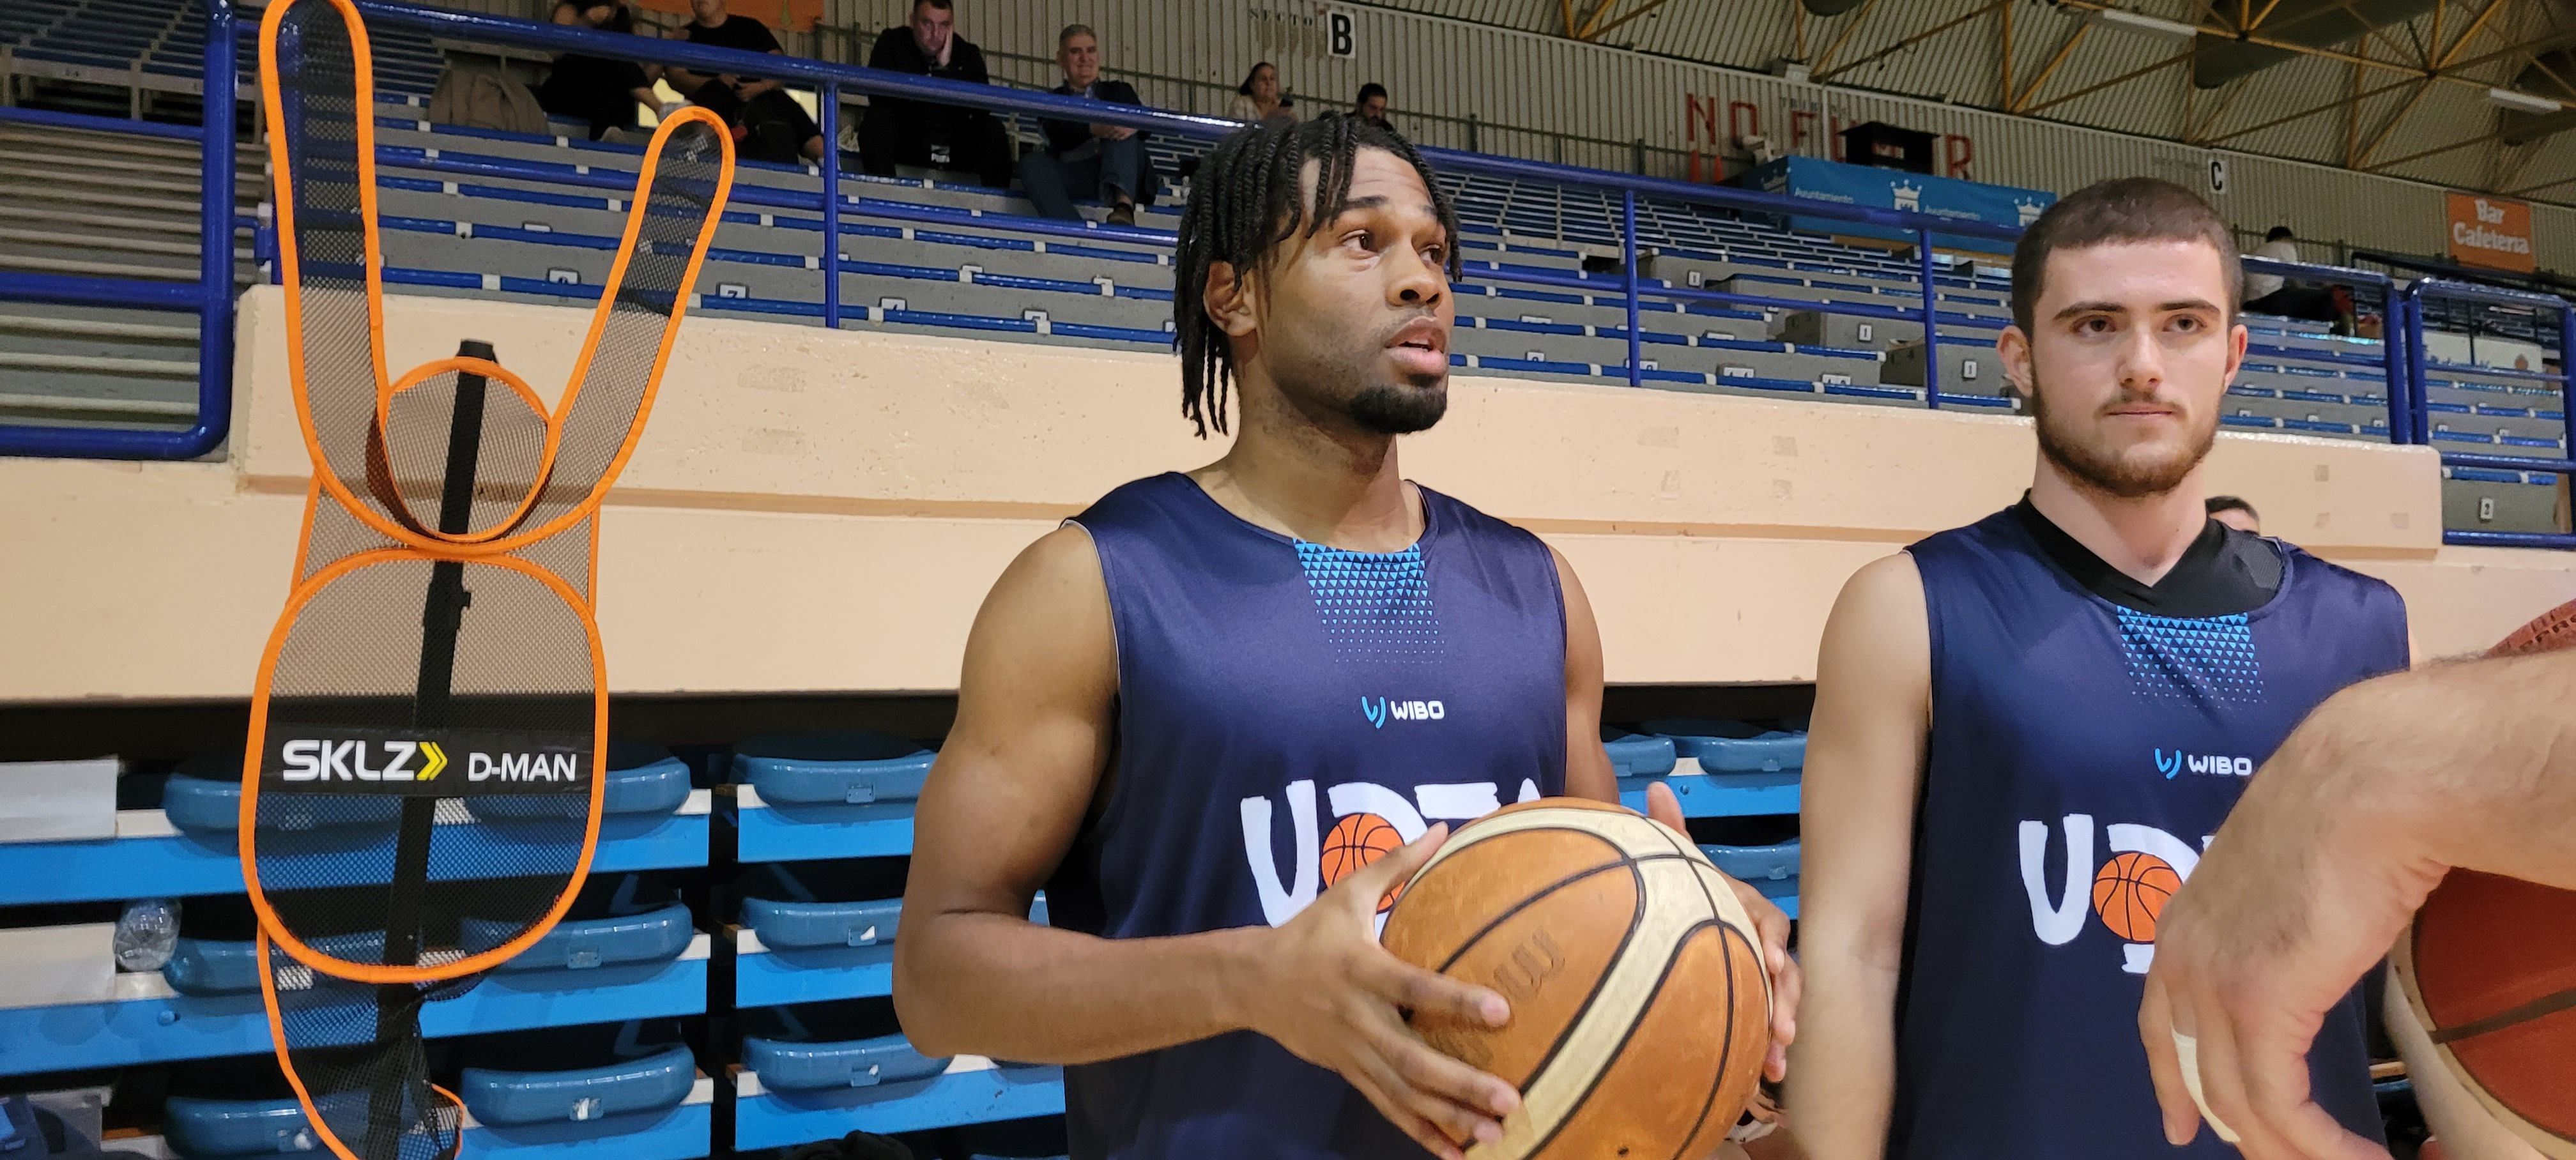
x,y
1734,746
576,1075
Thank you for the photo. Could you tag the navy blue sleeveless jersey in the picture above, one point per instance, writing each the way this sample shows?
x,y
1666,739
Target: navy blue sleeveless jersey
x,y
2078,746
1278,699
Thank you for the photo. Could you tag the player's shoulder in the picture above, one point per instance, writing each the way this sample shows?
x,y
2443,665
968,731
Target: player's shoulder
x,y
1999,531
2312,569
1456,514
1887,588
1135,503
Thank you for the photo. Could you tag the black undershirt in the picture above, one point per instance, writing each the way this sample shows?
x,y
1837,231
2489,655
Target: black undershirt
x,y
2224,572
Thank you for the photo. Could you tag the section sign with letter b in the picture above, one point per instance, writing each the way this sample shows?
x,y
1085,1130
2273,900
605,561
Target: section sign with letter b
x,y
1341,33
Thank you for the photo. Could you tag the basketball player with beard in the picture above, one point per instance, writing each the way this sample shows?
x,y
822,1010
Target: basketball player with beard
x,y
2026,728
1166,701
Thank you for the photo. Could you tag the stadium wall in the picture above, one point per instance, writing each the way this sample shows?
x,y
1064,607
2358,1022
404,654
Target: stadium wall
x,y
822,511
1454,68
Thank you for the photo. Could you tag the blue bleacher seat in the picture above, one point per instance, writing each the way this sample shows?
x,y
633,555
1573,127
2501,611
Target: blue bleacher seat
x,y
1734,746
833,768
576,1076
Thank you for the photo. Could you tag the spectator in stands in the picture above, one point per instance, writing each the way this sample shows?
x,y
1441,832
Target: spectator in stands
x,y
2235,513
1260,99
1105,159
599,90
1371,107
901,132
2274,294
768,124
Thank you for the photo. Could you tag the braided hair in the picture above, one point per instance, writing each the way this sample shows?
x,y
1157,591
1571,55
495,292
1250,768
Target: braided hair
x,y
1243,204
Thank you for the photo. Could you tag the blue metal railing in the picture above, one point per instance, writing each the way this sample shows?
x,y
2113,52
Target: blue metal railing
x,y
2419,423
211,297
2400,356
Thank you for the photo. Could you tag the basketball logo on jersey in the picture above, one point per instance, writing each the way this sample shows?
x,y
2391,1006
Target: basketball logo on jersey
x,y
1369,821
2126,893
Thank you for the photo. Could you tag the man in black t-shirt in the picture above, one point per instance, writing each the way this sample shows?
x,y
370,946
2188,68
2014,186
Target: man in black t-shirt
x,y
768,124
901,132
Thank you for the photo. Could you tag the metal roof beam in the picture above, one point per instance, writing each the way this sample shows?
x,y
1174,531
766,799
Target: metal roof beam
x,y
2436,151
2452,74
2018,104
1836,45
1917,38
2209,125
2282,45
2114,82
2361,160
2475,26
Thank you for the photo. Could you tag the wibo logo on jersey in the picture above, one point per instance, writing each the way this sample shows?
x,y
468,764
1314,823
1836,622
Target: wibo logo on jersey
x,y
1382,710
2218,764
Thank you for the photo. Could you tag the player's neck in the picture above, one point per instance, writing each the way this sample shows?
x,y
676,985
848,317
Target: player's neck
x,y
2143,537
1322,484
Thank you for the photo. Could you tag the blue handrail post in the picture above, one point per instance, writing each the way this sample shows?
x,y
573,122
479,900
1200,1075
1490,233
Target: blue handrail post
x,y
1931,320
215,237
1628,234
2402,388
2567,371
2418,426
830,120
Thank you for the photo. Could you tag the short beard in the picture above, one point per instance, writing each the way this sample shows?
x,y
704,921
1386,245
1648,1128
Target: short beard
x,y
2109,474
1398,410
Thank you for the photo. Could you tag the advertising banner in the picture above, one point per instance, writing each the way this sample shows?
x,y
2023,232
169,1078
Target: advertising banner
x,y
1808,177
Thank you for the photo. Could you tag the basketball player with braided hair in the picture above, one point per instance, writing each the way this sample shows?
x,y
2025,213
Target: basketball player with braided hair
x,y
2026,729
1171,701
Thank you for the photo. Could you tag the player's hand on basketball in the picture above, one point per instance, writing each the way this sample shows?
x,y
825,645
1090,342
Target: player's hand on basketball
x,y
1769,922
2295,900
1326,991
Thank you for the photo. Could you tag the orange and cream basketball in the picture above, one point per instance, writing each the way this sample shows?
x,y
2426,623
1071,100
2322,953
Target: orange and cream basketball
x,y
2489,967
1640,1010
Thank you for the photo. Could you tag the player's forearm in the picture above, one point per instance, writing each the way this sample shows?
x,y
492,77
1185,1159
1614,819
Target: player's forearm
x,y
2473,764
1842,1070
1001,986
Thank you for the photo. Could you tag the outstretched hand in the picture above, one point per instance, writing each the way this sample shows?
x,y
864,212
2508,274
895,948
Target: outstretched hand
x,y
1332,996
1768,922
2245,972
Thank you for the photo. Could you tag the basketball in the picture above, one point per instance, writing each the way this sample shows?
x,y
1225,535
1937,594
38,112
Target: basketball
x,y
1355,842
2131,891
1640,1010
2490,969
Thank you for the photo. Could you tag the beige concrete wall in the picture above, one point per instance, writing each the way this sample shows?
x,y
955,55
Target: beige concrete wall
x,y
823,511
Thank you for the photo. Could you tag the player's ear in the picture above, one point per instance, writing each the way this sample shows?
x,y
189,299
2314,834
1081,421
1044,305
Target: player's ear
x,y
1231,299
2012,348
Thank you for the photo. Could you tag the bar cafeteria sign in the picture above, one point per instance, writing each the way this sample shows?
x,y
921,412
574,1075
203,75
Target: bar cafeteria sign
x,y
2491,232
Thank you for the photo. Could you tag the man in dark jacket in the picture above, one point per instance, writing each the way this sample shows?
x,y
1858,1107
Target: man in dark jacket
x,y
768,124
1107,160
901,132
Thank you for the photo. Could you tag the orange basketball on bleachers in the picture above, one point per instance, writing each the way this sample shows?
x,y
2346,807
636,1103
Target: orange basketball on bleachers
x,y
1640,1010
2130,892
2490,968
